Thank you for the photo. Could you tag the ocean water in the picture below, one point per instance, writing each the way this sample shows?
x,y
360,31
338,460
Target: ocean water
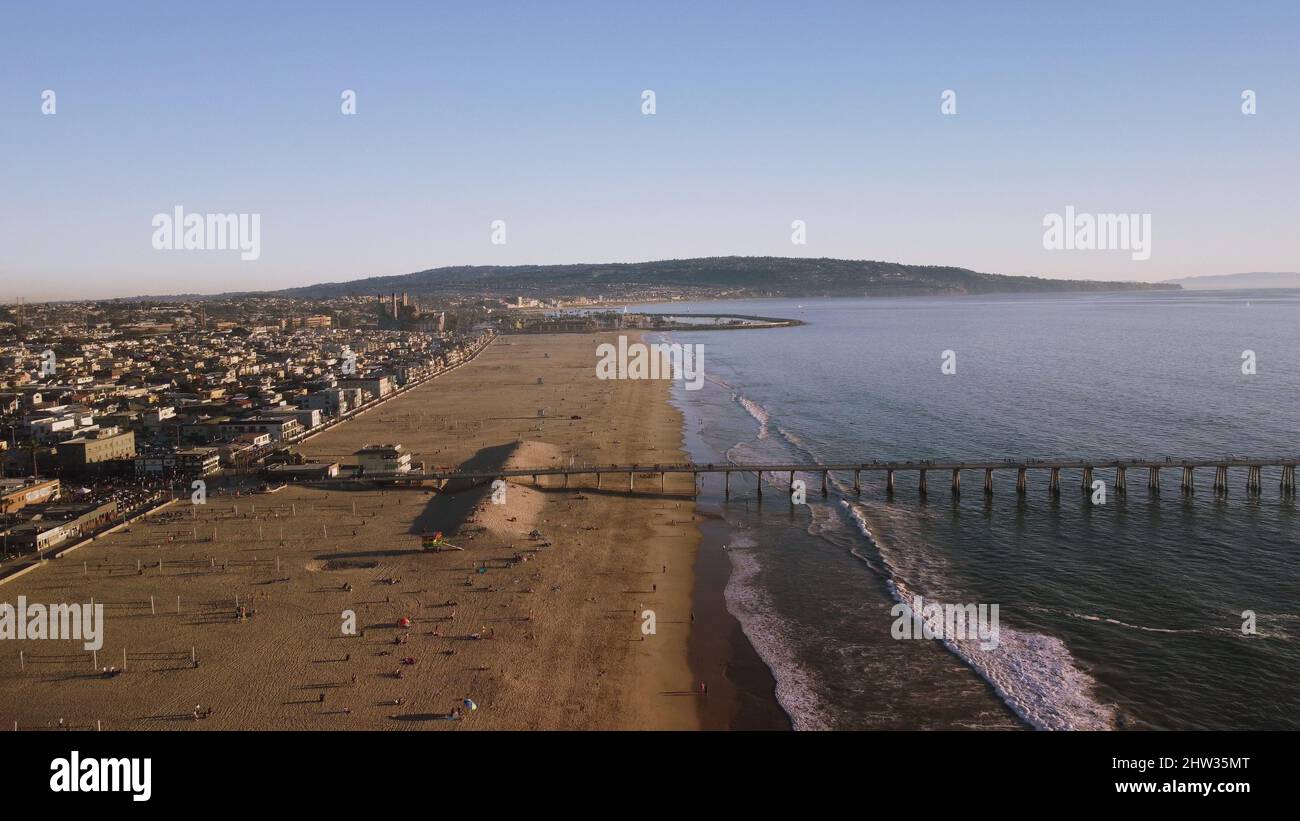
x,y
1126,614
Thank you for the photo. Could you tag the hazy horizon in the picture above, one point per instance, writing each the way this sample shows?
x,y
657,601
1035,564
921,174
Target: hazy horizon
x,y
764,115
5,299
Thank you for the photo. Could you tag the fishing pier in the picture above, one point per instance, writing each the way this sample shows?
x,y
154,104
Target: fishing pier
x,y
918,473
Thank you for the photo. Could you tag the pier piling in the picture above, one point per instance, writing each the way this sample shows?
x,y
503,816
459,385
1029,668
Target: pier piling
x,y
1088,470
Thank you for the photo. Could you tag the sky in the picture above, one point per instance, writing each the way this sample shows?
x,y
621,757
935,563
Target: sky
x,y
532,114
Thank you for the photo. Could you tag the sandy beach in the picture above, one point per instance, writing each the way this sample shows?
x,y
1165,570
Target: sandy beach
x,y
540,633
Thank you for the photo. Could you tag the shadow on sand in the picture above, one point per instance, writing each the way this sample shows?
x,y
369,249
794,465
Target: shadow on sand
x,y
452,505
447,510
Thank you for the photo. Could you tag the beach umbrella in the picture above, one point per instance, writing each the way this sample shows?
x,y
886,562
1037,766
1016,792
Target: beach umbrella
x,y
470,705
403,622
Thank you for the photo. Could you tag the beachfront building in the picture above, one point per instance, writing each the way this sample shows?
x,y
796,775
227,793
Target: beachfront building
x,y
15,494
279,428
50,525
198,462
245,449
377,386
192,462
98,450
308,418
374,459
306,472
333,401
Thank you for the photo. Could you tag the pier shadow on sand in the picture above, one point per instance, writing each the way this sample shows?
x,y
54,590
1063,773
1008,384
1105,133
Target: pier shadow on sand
x,y
591,490
448,508
455,501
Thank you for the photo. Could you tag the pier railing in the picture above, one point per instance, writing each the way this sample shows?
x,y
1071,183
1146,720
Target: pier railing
x,y
920,471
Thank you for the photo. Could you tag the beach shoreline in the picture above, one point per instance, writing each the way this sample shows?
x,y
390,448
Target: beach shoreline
x,y
611,618
720,650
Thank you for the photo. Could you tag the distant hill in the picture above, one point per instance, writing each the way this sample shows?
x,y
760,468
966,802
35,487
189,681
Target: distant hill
x,y
736,276
1254,279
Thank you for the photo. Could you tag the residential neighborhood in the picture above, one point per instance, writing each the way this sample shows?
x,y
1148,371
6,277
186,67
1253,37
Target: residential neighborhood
x,y
107,409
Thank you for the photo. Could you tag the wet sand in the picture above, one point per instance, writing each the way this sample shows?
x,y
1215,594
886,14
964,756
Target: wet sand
x,y
540,633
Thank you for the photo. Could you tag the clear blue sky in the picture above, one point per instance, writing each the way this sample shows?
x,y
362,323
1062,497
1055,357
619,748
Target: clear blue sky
x,y
530,113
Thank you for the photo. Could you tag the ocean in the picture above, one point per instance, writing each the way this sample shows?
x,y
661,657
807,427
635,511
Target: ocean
x,y
1125,614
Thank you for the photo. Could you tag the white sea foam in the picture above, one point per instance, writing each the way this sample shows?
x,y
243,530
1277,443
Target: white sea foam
x,y
1034,674
1266,625
1144,629
796,689
757,411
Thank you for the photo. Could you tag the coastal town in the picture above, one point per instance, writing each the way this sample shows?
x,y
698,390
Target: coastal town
x,y
175,468
108,410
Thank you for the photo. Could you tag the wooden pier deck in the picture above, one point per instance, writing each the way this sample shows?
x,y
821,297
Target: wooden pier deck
x,y
919,470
